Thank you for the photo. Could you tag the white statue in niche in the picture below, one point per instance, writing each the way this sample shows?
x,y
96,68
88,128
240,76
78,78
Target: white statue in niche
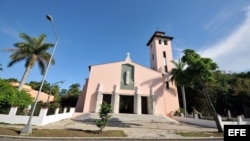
x,y
126,77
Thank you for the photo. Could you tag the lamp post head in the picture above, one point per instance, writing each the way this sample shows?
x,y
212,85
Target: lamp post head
x,y
58,82
49,18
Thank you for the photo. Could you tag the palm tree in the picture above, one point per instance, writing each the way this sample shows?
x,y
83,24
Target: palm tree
x,y
31,50
178,77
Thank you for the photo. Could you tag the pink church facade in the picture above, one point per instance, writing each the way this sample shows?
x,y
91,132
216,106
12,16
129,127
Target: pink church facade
x,y
132,88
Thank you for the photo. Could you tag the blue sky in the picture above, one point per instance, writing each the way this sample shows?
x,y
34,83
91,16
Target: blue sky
x,y
100,31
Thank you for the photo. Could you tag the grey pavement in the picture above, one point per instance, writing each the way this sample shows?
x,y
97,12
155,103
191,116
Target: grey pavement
x,y
144,127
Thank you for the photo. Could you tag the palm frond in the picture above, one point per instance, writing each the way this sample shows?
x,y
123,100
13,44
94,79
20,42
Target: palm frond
x,y
9,49
177,73
44,47
27,38
17,54
30,62
42,65
45,56
40,39
15,61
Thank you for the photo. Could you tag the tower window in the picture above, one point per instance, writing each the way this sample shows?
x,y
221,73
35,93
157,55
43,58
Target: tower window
x,y
153,57
159,41
164,58
167,85
164,54
166,68
165,42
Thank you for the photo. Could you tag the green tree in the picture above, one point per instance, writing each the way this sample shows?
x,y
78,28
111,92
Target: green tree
x,y
239,95
201,70
104,115
74,89
11,80
36,86
9,96
55,91
31,50
177,75
63,92
70,99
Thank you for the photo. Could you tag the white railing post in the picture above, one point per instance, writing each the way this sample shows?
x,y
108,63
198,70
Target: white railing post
x,y
64,110
239,120
57,111
43,112
196,116
13,111
220,121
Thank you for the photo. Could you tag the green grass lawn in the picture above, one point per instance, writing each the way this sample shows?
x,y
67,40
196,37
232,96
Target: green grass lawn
x,y
91,133
63,133
200,134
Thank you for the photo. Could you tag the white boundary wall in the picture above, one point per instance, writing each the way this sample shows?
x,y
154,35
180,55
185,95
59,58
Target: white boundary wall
x,y
211,123
40,120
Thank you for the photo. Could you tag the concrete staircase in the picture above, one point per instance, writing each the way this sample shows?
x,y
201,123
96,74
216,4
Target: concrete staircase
x,y
90,117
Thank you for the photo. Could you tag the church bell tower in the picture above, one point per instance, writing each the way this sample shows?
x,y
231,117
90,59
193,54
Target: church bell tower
x,y
161,54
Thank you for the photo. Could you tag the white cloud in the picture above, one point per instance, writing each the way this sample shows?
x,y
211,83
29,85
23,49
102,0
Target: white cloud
x,y
233,52
9,31
217,22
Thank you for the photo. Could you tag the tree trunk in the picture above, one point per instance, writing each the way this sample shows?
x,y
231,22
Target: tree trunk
x,y
211,106
25,75
184,100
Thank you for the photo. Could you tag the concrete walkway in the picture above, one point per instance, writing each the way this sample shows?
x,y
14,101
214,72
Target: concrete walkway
x,y
133,129
144,127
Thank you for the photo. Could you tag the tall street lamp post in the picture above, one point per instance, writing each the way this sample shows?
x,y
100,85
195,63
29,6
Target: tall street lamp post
x,y
51,88
28,127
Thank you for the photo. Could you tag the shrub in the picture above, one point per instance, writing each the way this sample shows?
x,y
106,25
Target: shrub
x,y
104,115
177,113
10,96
